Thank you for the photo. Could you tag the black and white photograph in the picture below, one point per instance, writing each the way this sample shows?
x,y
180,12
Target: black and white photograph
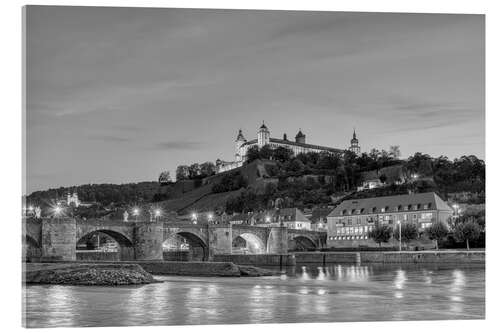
x,y
197,166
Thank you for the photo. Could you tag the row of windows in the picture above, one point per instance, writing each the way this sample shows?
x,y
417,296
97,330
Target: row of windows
x,y
386,209
354,230
347,237
373,218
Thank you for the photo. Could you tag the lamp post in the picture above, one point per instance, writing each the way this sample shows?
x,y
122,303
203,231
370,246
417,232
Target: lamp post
x,y
399,225
157,214
57,211
136,213
194,218
210,217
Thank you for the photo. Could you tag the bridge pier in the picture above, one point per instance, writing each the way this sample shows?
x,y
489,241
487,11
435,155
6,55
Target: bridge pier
x,y
220,240
278,240
59,238
148,241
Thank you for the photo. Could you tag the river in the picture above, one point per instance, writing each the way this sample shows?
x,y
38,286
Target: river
x,y
301,294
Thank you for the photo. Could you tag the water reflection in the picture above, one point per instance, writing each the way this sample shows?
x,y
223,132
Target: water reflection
x,y
303,294
399,283
456,289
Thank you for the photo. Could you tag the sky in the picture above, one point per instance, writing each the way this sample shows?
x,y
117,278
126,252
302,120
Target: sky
x,y
118,95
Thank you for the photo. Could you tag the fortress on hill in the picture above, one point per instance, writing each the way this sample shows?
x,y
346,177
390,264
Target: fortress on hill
x,y
242,145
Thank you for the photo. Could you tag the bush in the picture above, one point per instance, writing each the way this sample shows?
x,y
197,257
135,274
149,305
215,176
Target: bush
x,y
381,234
437,231
230,182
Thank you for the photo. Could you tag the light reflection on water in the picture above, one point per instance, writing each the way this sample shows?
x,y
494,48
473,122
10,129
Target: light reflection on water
x,y
301,294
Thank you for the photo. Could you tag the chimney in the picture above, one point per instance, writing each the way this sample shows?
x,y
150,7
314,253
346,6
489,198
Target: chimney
x,y
284,137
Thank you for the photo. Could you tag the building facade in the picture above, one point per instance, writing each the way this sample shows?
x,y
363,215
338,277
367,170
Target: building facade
x,y
299,145
292,218
350,222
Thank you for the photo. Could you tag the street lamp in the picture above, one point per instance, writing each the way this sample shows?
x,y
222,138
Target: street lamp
x,y
136,213
194,217
157,214
57,211
268,219
399,225
210,217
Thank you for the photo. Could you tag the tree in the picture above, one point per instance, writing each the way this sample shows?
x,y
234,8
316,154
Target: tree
x,y
383,178
266,152
253,154
380,234
194,171
282,154
164,178
394,152
182,172
409,232
437,231
466,232
207,169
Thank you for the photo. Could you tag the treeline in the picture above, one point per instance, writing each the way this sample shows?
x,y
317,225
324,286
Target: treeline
x,y
195,171
103,194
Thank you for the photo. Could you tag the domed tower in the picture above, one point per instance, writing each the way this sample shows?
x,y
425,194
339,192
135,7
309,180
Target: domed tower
x,y
300,137
355,144
263,135
240,140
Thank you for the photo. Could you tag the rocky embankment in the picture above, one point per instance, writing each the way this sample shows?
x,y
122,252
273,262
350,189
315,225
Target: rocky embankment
x,y
87,274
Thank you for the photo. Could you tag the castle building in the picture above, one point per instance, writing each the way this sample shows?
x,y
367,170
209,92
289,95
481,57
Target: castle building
x,y
242,145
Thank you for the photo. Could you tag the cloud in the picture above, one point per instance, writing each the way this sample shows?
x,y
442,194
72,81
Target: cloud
x,y
179,145
110,138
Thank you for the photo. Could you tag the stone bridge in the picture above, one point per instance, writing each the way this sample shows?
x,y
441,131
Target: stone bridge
x,y
57,237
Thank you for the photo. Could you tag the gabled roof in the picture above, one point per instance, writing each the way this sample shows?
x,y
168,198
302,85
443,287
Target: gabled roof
x,y
391,204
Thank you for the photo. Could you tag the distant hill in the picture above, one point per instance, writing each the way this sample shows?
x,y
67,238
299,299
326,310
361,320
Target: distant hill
x,y
104,194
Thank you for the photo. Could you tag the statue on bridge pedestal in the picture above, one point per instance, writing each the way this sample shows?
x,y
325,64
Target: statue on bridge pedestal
x,y
125,216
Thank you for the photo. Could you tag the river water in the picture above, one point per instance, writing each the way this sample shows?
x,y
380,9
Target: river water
x,y
301,294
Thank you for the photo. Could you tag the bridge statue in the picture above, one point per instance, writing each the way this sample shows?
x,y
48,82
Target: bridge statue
x,y
125,216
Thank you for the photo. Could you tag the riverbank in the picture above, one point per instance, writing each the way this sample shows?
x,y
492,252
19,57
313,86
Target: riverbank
x,y
86,274
389,257
134,272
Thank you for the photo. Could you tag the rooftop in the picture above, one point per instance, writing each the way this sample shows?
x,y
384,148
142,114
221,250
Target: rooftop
x,y
395,203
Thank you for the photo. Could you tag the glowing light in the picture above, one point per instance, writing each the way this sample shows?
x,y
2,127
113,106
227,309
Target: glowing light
x,y
210,216
136,211
268,219
157,213
194,216
57,210
30,208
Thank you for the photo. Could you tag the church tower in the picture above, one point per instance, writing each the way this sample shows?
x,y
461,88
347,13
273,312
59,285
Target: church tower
x,y
263,136
240,140
355,144
300,137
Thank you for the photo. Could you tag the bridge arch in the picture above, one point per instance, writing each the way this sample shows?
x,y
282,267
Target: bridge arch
x,y
248,243
125,245
301,243
187,242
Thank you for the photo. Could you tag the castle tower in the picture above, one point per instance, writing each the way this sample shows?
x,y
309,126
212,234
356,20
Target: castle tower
x,y
240,140
355,144
300,137
263,135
